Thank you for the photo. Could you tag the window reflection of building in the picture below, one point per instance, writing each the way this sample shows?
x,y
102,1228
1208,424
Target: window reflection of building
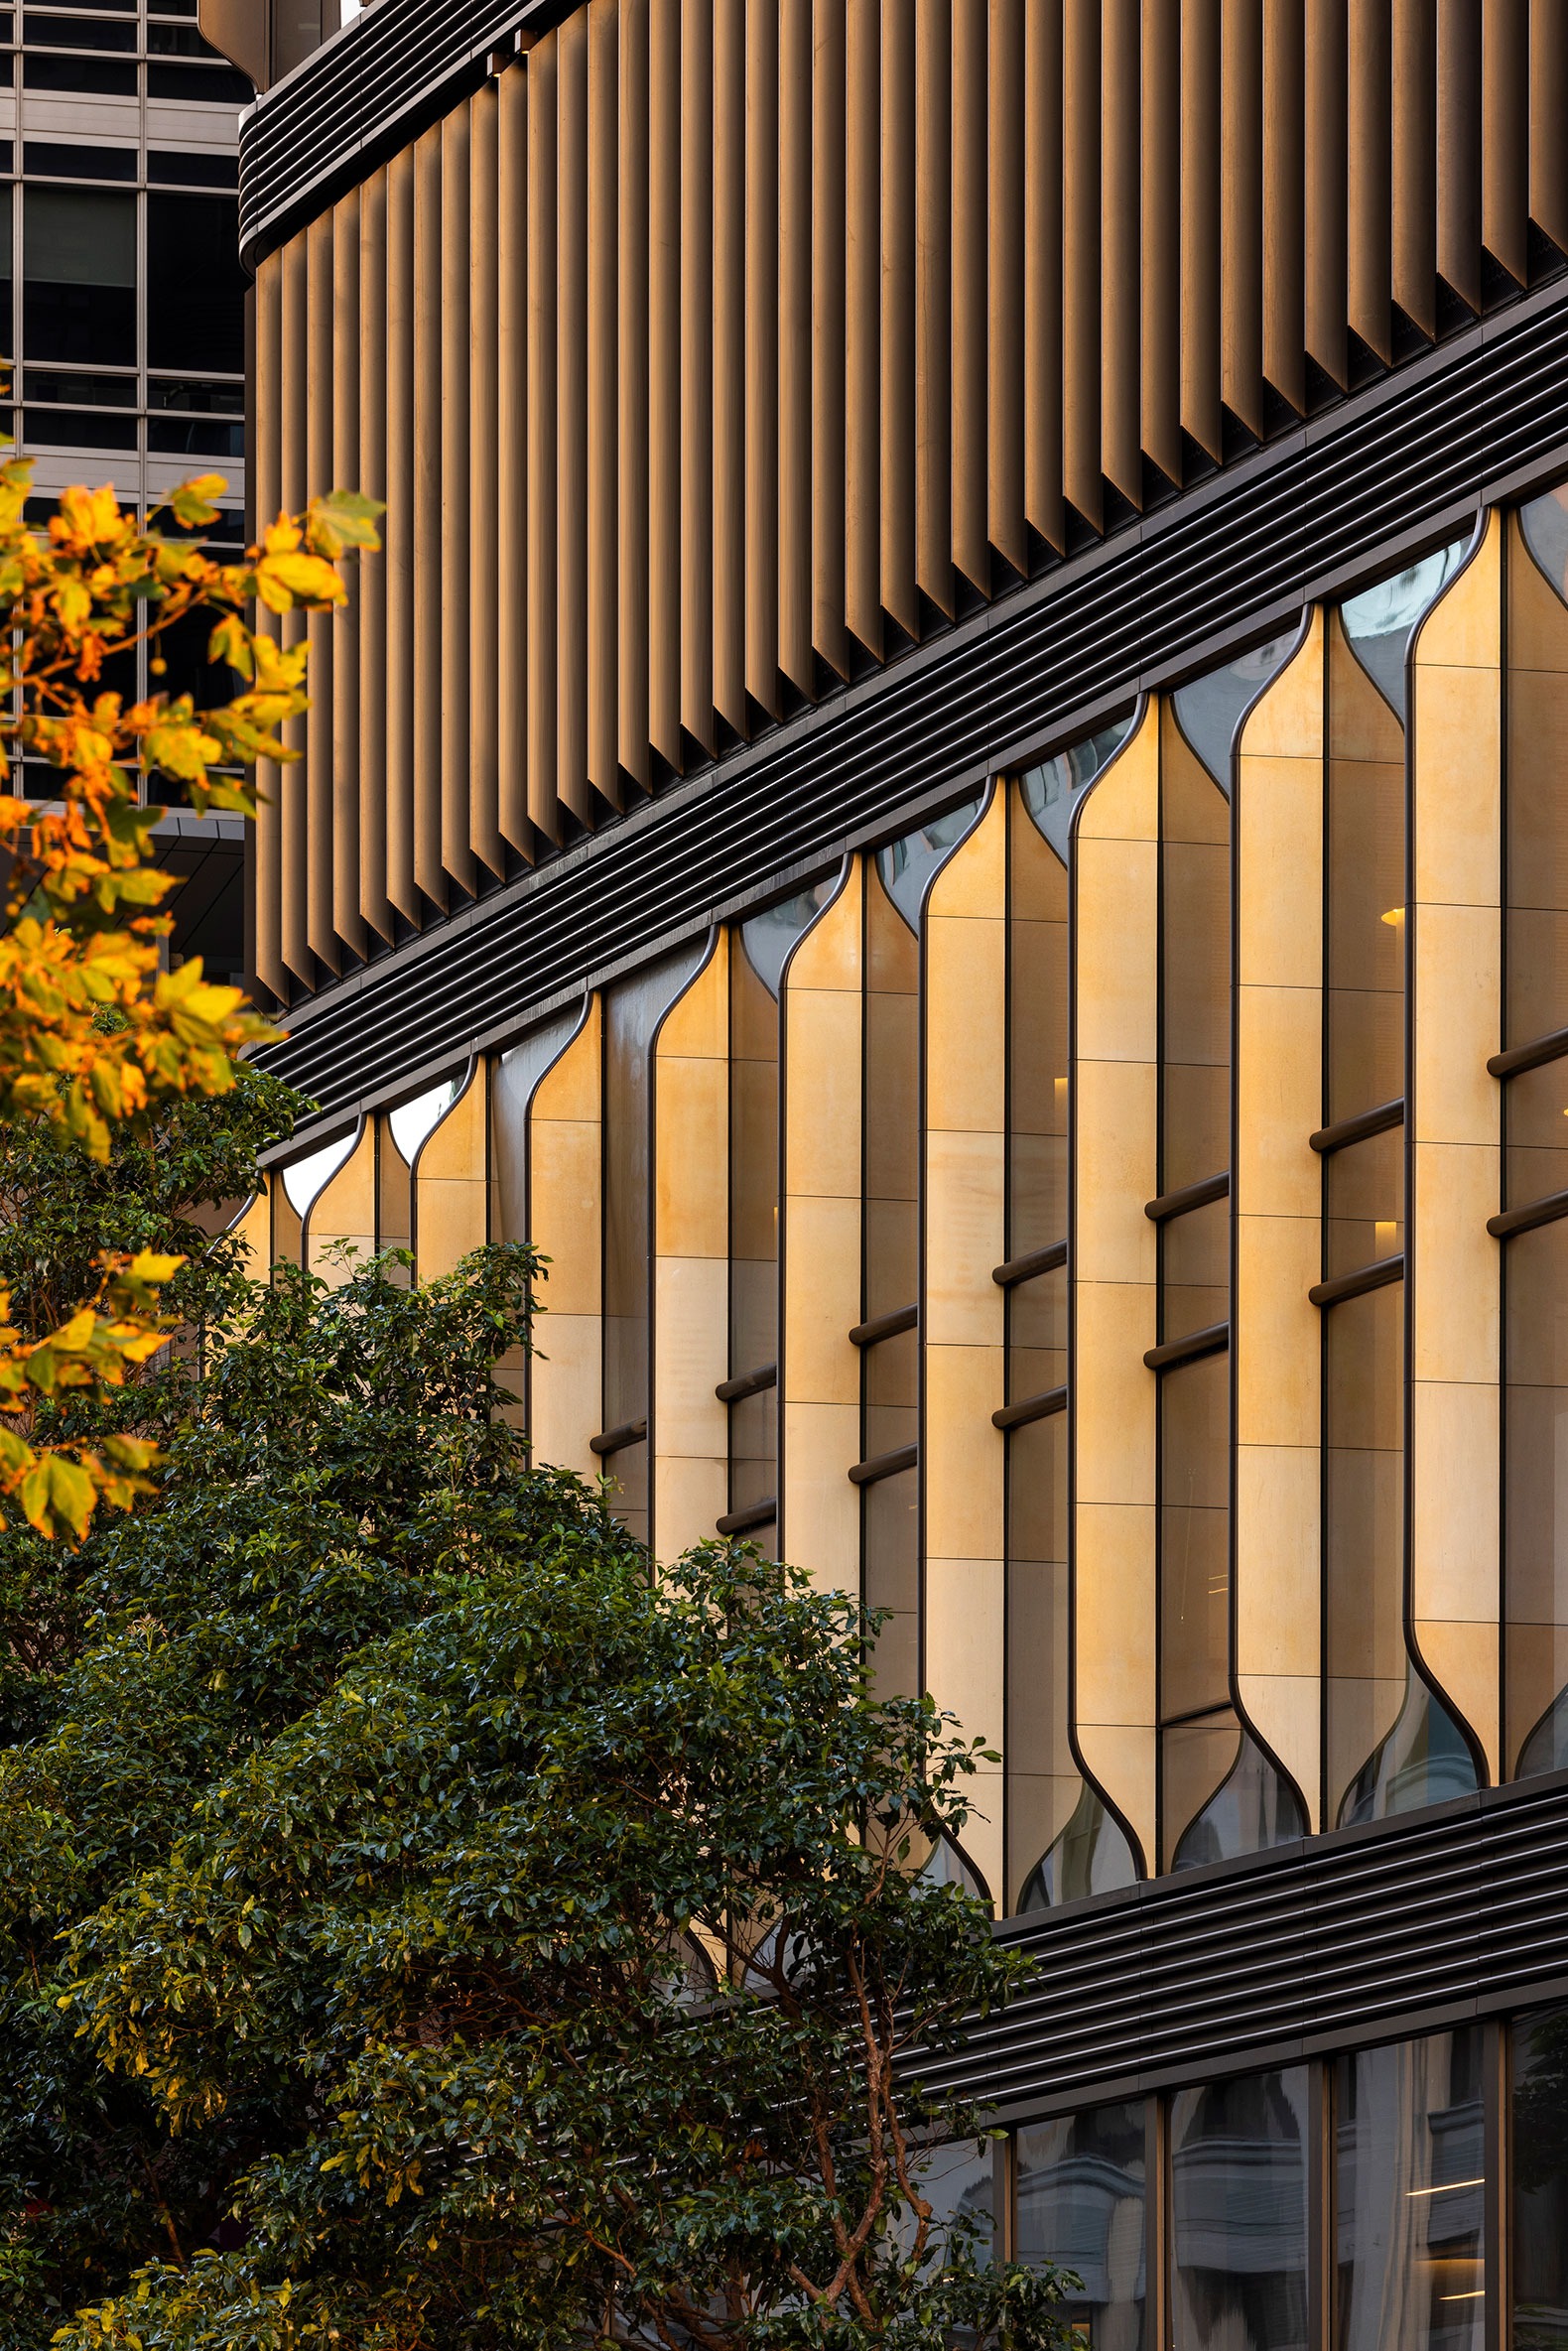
x,y
1239,2214
1410,2196
1535,1135
1389,1743
1539,2167
1082,2200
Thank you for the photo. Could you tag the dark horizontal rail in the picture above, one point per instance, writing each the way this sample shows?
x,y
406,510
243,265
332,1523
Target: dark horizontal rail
x,y
760,1514
1376,1276
747,1383
1040,1408
1345,1131
1199,1195
884,1465
1545,1211
885,1326
1533,1056
1345,496
1026,1267
1189,1348
615,1440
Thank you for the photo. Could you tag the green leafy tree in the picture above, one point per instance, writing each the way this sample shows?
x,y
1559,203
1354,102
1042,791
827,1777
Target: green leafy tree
x,y
421,1926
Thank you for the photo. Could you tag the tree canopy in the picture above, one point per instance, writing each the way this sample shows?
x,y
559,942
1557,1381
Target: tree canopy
x,y
422,1926
94,1031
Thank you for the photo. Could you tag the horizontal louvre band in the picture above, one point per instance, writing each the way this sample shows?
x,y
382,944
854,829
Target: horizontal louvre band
x,y
885,1326
615,1440
1345,1940
1354,1285
1359,1130
1025,1269
1177,1204
1189,1348
1042,1407
760,1514
747,1383
1037,670
884,1465
1533,1056
1525,1220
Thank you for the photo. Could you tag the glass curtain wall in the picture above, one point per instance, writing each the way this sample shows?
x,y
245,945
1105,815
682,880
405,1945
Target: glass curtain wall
x,y
1218,1795
1390,1744
1061,1840
1350,2203
514,1079
295,1191
1239,2217
1539,2178
1081,2190
633,1008
1535,1139
886,1335
763,946
1410,2196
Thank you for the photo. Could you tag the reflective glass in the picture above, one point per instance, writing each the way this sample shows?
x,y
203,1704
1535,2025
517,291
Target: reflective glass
x,y
305,1179
1545,522
1363,1186
1053,790
908,865
1082,2204
1090,1856
1195,1488
78,264
1043,1786
1379,620
768,936
632,1013
1037,1042
1195,968
1540,2182
412,1122
1366,1661
1535,1515
1239,2214
1425,1759
1255,1806
958,2181
1535,720
1210,708
1535,1130
1409,2196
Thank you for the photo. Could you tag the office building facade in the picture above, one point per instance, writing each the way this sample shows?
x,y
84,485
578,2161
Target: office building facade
x,y
122,318
950,793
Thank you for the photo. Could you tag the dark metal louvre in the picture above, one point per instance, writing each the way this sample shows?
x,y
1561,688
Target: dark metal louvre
x,y
1332,503
401,61
1357,1937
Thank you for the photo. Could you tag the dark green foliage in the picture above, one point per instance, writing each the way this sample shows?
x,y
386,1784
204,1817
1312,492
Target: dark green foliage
x,y
422,1928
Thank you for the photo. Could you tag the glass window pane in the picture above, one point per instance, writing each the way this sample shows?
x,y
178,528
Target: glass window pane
x,y
1535,707
1540,2183
1239,2214
1365,1203
1195,960
195,288
78,296
1195,1633
1535,1128
890,1540
632,1011
1364,1342
1409,2196
1535,1519
1037,948
1195,1270
1081,2205
1366,889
